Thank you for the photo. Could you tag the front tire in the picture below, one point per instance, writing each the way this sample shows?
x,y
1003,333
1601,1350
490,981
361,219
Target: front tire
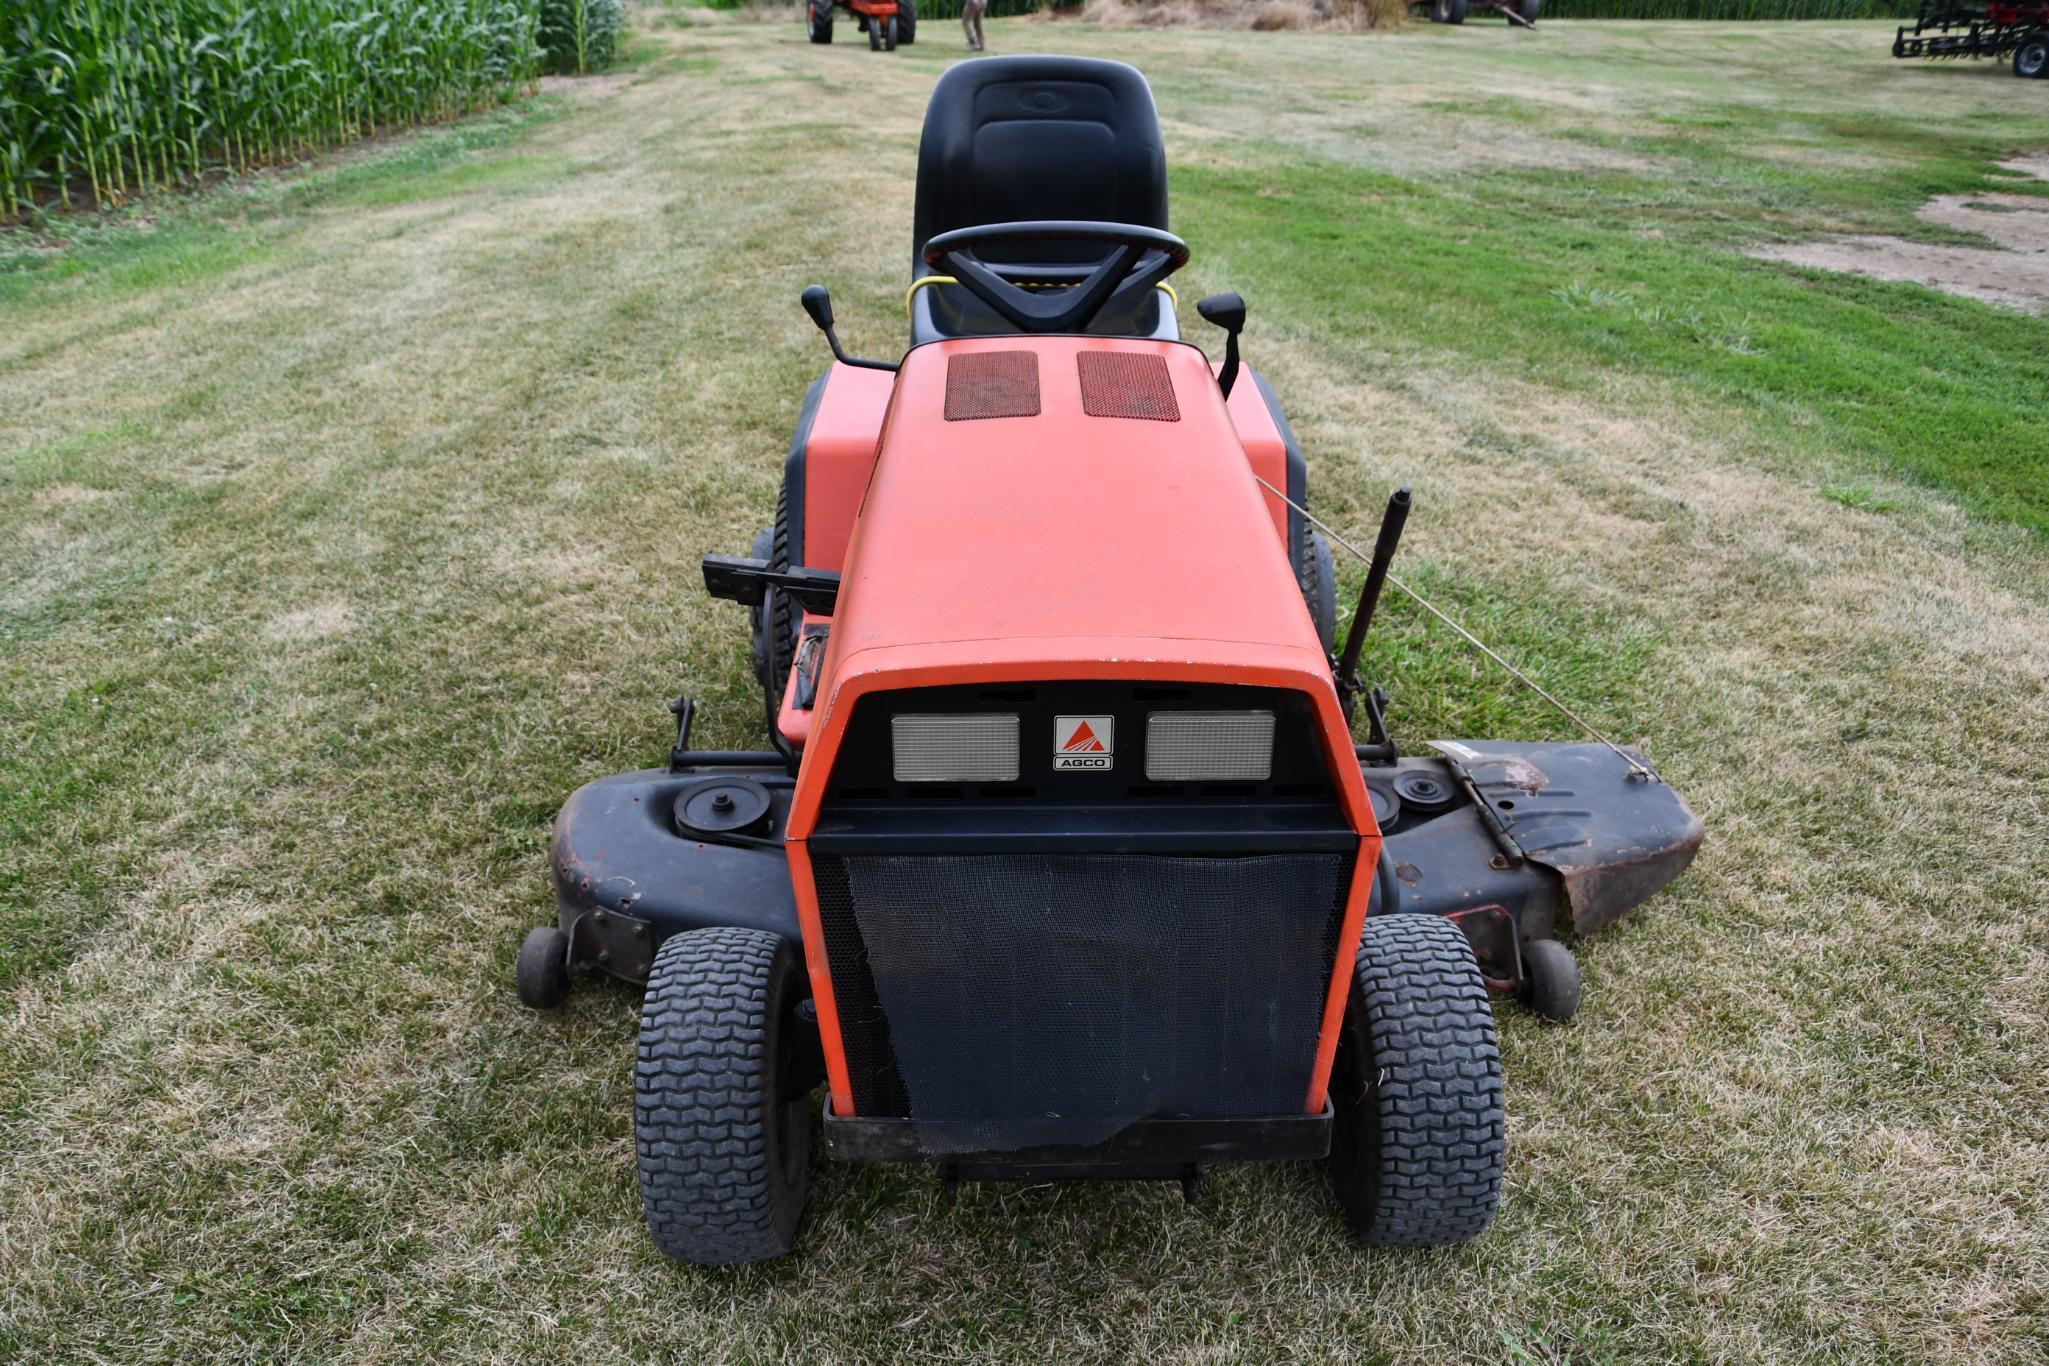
x,y
1420,1135
724,1154
874,31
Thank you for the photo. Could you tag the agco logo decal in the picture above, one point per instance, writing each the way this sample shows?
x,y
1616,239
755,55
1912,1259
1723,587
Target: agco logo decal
x,y
1083,742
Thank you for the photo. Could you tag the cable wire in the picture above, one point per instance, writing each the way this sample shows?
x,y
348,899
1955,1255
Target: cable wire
x,y
1637,768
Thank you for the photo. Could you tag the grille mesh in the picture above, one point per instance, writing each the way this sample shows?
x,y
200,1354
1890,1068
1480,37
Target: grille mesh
x,y
983,384
1057,998
864,1029
1121,384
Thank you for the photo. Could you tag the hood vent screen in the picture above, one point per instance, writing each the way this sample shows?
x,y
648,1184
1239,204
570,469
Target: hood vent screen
x,y
1120,384
992,384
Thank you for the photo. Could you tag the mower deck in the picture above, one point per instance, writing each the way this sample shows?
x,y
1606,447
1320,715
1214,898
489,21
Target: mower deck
x,y
1509,840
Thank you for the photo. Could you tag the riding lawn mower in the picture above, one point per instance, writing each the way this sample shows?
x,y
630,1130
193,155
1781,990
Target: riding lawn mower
x,y
886,22
1065,861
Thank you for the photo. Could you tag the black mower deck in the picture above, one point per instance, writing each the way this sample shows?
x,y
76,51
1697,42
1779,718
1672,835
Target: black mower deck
x,y
1502,837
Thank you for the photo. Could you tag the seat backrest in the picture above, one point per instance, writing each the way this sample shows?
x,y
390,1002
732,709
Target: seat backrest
x,y
1009,139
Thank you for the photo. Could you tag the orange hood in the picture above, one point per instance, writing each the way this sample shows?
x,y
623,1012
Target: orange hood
x,y
1064,543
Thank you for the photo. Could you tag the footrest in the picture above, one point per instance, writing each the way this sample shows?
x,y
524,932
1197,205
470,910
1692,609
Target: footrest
x,y
1148,1145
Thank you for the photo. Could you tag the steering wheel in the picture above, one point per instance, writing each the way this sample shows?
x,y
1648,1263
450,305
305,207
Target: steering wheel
x,y
1135,260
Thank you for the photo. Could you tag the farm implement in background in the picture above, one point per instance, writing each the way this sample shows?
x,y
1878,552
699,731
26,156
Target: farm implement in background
x,y
1522,13
1991,31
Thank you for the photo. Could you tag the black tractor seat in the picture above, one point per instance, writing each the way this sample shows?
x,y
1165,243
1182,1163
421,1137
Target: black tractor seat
x,y
1021,139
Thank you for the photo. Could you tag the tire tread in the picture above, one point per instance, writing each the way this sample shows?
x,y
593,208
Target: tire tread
x,y
1435,1084
704,1084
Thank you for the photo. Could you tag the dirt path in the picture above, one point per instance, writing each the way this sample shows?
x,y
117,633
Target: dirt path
x,y
2014,272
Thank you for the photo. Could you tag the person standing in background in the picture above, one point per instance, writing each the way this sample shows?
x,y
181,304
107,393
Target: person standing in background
x,y
971,20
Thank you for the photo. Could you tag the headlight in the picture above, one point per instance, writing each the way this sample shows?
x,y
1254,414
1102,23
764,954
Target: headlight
x,y
1209,746
971,747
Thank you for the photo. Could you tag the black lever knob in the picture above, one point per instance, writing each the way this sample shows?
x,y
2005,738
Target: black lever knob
x,y
818,303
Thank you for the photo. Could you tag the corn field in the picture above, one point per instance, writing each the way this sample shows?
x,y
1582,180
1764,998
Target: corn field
x,y
102,98
580,35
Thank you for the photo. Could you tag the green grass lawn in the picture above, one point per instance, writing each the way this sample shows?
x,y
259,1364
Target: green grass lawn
x,y
352,517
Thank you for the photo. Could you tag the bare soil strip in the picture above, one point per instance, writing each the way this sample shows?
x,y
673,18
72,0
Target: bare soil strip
x,y
2014,273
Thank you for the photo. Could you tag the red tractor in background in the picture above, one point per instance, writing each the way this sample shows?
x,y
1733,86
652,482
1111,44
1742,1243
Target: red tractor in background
x,y
886,22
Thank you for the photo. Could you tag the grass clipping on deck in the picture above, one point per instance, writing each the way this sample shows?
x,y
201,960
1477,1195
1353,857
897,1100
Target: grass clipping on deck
x,y
1253,14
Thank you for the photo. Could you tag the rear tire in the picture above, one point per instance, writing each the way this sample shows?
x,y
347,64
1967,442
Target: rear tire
x,y
724,1157
1420,1138
757,636
1528,9
819,20
1319,588
1550,984
542,969
782,616
906,22
2031,58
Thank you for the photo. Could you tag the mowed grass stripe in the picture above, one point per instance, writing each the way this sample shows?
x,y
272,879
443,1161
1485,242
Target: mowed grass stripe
x,y
1939,390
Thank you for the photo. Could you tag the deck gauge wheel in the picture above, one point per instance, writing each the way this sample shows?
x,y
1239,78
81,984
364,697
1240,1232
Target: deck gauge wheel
x,y
1550,982
542,969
